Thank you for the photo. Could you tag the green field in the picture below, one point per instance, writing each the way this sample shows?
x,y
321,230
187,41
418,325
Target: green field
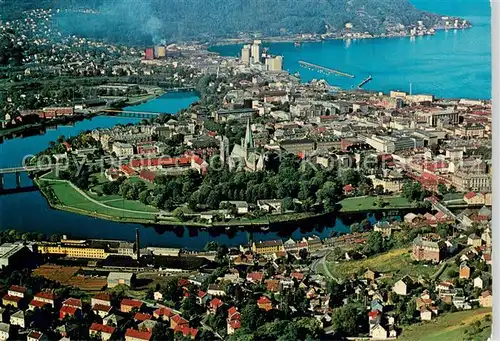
x,y
397,262
71,198
448,327
369,203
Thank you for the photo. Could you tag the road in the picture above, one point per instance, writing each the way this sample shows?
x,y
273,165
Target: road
x,y
321,262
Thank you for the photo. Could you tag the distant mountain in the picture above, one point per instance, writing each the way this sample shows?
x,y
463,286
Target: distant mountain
x,y
145,21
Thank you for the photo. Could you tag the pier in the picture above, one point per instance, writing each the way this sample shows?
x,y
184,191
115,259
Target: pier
x,y
324,69
136,114
366,80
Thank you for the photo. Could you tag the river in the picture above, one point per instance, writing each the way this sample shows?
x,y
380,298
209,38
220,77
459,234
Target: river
x,y
449,64
30,211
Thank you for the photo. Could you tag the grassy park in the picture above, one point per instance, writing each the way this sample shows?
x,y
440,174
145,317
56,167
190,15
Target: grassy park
x,y
369,203
397,262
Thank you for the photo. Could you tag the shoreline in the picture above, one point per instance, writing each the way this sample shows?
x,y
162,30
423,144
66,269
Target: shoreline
x,y
292,39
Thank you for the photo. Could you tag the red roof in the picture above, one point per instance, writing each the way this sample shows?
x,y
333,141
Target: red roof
x,y
183,282
127,169
186,331
470,195
255,276
103,297
138,335
166,161
201,294
97,327
12,298
231,311
142,316
373,313
235,324
101,307
164,312
68,310
37,304
263,300
147,175
216,303
179,320
73,302
18,288
35,335
348,188
45,295
131,303
297,275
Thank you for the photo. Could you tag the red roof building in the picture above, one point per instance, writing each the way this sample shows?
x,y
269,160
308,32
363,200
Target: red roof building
x,y
96,328
177,321
135,335
128,304
17,290
215,304
142,317
73,302
264,303
163,313
255,277
34,304
68,311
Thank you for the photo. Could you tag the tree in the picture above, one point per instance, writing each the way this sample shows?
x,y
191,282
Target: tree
x,y
344,319
251,316
442,189
375,243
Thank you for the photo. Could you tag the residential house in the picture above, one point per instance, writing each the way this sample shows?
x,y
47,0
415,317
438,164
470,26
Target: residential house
x,y
4,331
73,302
377,305
101,298
474,240
425,314
464,271
255,277
135,335
403,286
478,282
68,311
369,275
140,317
46,297
177,321
214,305
164,314
34,304
102,310
34,335
13,301
233,320
264,303
105,332
378,332
486,299
216,290
18,319
270,205
17,290
128,304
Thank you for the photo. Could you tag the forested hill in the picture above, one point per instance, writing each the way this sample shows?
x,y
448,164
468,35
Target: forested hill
x,y
143,21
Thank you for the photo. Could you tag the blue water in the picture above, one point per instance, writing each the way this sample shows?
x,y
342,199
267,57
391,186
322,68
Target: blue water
x,y
451,64
30,212
167,103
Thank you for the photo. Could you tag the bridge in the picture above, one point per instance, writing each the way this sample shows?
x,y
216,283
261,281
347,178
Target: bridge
x,y
22,169
135,114
324,69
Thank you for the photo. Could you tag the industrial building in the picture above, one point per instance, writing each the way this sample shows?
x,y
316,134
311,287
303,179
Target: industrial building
x,y
14,254
120,278
92,249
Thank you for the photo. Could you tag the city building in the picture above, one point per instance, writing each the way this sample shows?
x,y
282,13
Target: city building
x,y
428,249
104,331
268,246
246,54
274,64
123,149
256,51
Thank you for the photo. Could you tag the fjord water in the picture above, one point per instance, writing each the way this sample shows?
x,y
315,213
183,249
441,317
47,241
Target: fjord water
x,y
451,64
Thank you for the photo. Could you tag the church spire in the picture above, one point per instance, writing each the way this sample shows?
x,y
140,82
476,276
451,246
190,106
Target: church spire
x,y
249,136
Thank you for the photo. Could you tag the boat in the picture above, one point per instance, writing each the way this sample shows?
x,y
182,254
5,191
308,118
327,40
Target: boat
x,y
298,44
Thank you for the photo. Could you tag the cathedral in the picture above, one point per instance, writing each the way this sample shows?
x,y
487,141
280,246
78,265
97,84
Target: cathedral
x,y
244,156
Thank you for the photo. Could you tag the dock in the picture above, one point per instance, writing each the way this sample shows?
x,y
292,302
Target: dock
x,y
324,69
366,80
